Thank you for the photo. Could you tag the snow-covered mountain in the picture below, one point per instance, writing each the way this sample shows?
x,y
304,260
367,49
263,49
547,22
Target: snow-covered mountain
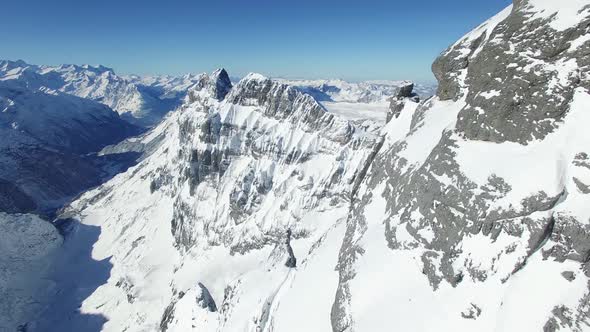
x,y
46,138
166,86
255,209
239,167
475,214
356,92
141,102
358,101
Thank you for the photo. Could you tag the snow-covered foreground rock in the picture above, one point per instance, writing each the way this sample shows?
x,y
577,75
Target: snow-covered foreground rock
x,y
475,213
256,210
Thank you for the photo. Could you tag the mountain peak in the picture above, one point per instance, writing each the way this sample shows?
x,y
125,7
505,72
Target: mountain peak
x,y
255,77
221,83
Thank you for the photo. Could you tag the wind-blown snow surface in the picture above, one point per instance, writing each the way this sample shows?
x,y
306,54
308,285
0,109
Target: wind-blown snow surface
x,y
140,101
469,212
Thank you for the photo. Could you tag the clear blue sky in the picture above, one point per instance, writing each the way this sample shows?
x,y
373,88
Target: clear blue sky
x,y
353,40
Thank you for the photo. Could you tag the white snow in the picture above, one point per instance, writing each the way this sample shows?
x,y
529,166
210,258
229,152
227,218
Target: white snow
x,y
562,14
376,112
547,162
578,42
485,28
490,94
441,116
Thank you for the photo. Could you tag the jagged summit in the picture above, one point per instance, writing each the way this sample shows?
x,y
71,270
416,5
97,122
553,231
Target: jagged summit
x,y
216,85
222,83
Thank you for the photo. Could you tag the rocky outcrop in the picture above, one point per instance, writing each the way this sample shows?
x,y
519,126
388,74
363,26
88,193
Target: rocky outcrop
x,y
217,85
519,69
397,102
291,260
204,299
511,88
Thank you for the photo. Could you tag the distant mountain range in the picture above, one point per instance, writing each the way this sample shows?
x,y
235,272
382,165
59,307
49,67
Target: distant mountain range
x,y
140,101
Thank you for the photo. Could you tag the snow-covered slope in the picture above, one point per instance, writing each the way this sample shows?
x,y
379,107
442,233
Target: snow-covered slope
x,y
141,103
475,214
166,86
208,211
28,245
257,210
45,140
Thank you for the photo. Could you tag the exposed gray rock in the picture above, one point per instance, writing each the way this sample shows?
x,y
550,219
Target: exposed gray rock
x,y
221,83
205,300
569,275
503,102
584,188
562,318
167,317
291,260
572,240
405,90
519,106
398,101
472,312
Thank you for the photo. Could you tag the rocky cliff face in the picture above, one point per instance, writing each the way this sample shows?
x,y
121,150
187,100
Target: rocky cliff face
x,y
475,200
469,210
234,171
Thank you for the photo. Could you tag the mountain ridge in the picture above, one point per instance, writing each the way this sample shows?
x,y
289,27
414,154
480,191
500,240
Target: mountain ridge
x,y
254,208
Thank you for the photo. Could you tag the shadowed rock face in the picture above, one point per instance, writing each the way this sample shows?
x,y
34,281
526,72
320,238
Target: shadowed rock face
x,y
205,300
222,83
13,200
291,260
218,84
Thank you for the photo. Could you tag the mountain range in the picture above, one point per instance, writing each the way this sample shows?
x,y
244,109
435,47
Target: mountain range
x,y
266,205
